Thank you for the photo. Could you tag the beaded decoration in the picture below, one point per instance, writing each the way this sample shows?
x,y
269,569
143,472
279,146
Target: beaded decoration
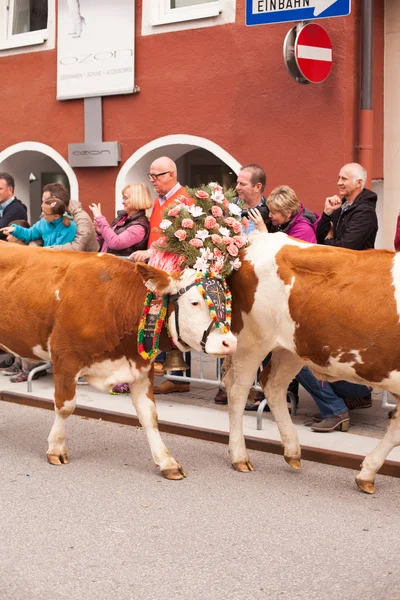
x,y
157,328
226,326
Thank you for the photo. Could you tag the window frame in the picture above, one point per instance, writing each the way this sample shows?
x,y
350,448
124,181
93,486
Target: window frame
x,y
8,40
163,14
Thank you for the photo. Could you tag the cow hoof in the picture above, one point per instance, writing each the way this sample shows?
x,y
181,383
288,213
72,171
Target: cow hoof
x,y
174,473
55,459
295,463
243,467
366,486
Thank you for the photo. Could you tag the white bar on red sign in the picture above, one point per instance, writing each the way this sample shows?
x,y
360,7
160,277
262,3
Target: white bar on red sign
x,y
314,53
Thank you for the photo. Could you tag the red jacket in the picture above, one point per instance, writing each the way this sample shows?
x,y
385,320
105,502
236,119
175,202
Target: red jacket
x,y
155,218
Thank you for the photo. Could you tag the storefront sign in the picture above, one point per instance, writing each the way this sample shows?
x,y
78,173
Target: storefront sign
x,y
95,154
95,48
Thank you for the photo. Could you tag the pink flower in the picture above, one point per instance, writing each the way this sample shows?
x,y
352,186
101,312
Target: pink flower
x,y
216,239
216,211
237,228
245,222
180,234
230,221
187,223
233,250
217,253
174,212
201,194
162,241
209,222
196,243
239,241
227,241
225,204
183,200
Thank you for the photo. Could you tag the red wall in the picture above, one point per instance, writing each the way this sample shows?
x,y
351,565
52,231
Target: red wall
x,y
225,83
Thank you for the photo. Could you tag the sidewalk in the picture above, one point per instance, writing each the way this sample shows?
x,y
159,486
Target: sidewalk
x,y
196,409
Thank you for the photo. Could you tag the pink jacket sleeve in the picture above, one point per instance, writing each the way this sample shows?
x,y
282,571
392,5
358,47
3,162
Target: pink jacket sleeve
x,y
131,236
397,237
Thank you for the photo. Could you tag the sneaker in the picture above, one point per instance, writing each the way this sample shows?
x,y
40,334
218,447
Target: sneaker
x,y
23,376
82,381
121,388
355,403
13,370
7,362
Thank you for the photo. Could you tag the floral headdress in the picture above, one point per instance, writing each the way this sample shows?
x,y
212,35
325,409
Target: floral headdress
x,y
207,234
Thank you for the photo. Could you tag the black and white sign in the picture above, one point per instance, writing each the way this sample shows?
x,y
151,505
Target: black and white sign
x,y
95,48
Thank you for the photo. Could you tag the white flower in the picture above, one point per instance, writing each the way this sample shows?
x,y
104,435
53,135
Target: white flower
x,y
202,234
195,211
217,196
234,209
213,185
206,253
224,231
236,264
165,223
201,264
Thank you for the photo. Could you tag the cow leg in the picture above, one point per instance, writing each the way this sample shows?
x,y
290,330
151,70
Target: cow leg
x,y
143,400
375,459
64,406
275,379
240,372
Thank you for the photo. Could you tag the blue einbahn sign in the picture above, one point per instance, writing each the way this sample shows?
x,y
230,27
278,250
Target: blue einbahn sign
x,y
263,12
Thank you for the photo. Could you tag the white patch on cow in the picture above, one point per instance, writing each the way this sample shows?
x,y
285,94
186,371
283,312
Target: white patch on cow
x,y
56,439
40,353
100,254
355,355
396,280
107,373
58,295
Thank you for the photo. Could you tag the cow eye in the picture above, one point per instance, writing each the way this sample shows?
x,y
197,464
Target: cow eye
x,y
194,302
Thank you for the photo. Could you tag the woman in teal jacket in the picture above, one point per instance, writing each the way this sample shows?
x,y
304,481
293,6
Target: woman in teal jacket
x,y
55,228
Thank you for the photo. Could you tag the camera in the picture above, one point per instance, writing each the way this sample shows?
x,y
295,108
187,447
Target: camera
x,y
264,212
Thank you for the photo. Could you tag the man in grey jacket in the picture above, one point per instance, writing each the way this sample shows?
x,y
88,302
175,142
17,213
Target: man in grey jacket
x,y
85,238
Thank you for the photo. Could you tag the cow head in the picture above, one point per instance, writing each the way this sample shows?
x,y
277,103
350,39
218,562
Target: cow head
x,y
189,322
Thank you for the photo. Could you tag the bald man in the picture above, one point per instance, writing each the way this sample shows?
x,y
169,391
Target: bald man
x,y
163,176
349,219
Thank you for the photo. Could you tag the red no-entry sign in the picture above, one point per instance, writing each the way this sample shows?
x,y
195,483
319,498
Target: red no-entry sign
x,y
313,53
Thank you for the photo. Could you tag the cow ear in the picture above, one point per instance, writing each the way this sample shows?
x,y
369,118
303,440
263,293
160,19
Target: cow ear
x,y
156,279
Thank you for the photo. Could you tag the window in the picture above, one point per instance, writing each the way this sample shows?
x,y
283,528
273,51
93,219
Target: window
x,y
23,22
160,16
173,11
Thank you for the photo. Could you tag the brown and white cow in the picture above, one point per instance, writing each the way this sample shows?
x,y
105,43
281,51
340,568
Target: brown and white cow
x,y
82,311
334,310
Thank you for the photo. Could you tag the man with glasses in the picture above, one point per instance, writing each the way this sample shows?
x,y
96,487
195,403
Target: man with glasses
x,y
163,176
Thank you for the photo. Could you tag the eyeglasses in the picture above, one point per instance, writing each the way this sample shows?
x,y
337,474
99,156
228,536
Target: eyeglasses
x,y
152,176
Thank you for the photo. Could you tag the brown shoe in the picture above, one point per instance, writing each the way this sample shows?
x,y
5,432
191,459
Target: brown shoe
x,y
158,368
255,396
221,397
170,387
355,403
340,422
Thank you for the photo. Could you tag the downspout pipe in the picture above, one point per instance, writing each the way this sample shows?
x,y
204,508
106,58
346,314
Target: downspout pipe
x,y
365,145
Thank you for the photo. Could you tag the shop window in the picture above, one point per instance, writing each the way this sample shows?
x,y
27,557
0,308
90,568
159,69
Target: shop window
x,y
23,23
174,11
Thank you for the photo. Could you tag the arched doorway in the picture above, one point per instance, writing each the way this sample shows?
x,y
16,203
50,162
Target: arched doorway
x,y
198,160
33,165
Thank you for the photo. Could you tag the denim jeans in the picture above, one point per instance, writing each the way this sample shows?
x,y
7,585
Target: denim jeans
x,y
329,396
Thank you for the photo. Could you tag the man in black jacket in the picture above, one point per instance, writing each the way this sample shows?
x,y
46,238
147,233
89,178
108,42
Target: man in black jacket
x,y
11,209
349,219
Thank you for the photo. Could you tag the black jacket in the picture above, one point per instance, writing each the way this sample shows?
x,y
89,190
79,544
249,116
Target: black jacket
x,y
138,218
355,227
13,212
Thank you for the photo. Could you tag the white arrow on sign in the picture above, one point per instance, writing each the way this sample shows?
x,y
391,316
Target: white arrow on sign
x,y
265,6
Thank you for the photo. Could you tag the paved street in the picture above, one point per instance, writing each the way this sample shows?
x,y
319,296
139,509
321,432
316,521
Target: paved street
x,y
108,526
